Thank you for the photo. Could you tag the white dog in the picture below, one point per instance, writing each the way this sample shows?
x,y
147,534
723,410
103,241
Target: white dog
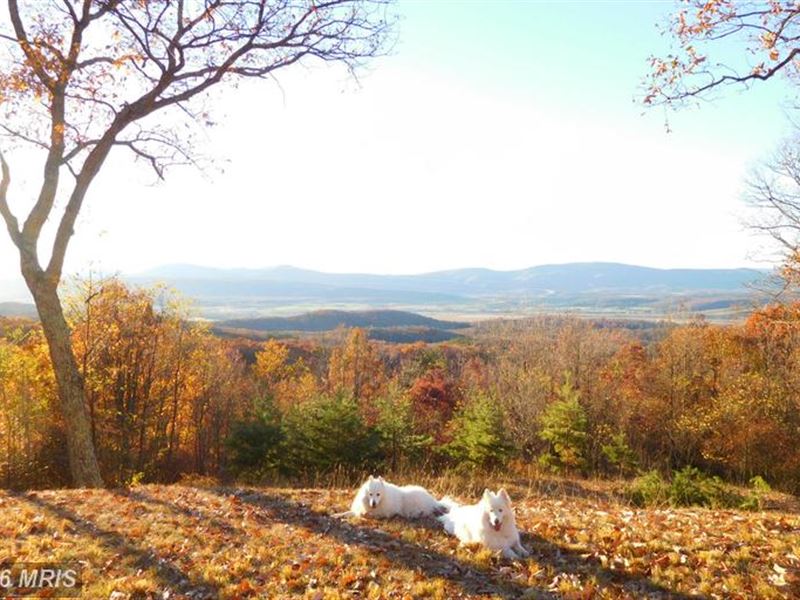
x,y
489,522
381,499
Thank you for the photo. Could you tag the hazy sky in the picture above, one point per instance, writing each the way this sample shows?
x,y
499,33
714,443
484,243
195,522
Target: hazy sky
x,y
499,135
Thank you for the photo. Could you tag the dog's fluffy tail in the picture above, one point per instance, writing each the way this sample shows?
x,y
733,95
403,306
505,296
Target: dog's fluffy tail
x,y
443,506
446,519
448,503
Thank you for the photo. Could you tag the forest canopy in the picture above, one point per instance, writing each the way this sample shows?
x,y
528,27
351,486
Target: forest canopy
x,y
167,398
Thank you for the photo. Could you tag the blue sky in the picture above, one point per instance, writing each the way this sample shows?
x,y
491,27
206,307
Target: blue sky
x,y
496,134
585,57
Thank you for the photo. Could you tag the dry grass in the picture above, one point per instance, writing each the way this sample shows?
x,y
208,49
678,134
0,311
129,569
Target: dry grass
x,y
209,542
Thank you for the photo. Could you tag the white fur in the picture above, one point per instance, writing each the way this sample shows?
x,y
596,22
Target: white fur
x,y
490,523
380,499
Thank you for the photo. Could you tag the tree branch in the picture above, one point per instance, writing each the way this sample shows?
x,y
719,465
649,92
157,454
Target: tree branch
x,y
24,43
743,79
11,221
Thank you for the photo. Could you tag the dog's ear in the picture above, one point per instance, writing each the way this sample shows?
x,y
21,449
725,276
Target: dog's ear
x,y
504,495
381,479
487,495
372,478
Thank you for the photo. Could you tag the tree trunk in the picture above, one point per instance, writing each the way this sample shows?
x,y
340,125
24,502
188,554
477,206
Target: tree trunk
x,y
82,458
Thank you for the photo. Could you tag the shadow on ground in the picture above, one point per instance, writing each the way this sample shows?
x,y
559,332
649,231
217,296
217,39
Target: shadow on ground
x,y
470,579
136,557
499,579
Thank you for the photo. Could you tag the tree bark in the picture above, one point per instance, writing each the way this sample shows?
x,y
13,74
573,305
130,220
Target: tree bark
x,y
82,459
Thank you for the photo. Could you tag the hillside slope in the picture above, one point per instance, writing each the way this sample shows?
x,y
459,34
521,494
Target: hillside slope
x,y
184,542
327,320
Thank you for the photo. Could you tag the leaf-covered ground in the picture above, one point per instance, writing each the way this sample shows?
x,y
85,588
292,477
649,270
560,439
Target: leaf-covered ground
x,y
184,542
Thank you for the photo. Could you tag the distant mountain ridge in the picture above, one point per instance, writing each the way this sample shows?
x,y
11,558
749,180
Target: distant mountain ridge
x,y
600,289
544,279
17,309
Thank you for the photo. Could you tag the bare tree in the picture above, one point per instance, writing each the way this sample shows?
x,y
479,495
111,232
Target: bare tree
x,y
774,193
81,77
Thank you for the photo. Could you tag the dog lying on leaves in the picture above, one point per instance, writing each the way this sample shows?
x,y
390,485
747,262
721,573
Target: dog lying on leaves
x,y
380,499
490,523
